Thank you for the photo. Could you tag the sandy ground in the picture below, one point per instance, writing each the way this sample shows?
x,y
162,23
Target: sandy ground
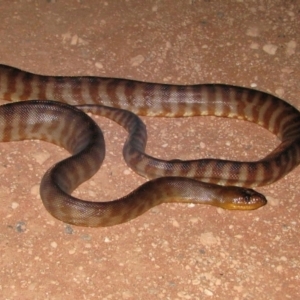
x,y
173,251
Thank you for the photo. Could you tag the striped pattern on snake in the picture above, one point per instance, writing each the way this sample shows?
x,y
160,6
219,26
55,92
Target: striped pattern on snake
x,y
153,99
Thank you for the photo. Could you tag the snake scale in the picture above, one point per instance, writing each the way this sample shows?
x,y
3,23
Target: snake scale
x,y
58,117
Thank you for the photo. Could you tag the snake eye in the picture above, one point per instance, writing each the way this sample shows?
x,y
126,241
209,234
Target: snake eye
x,y
248,197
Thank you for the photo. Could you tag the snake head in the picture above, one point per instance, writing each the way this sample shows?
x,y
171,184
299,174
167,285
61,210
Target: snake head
x,y
237,198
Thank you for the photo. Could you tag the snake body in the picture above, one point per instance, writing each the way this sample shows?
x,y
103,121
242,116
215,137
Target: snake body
x,y
196,181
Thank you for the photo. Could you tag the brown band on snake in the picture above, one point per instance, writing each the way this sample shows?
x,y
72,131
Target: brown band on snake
x,y
152,99
284,121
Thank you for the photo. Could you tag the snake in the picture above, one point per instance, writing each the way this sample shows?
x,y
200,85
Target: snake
x,y
54,109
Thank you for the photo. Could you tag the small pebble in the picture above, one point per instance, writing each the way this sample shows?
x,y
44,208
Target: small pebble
x,y
270,49
53,245
14,205
208,292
